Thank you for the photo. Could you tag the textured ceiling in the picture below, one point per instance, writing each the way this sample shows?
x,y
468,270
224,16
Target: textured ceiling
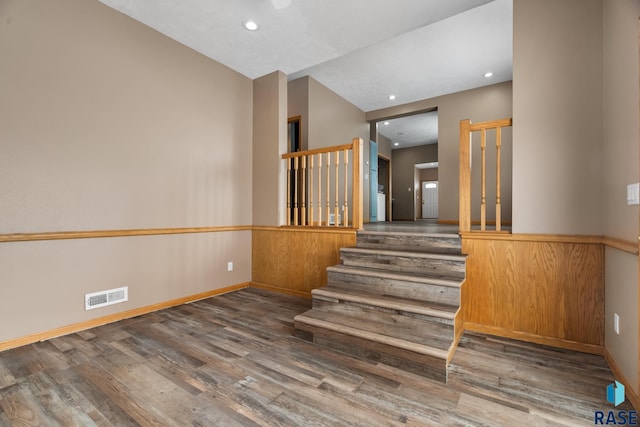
x,y
419,129
363,50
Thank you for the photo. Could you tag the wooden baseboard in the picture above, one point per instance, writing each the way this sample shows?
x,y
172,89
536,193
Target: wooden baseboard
x,y
533,338
456,222
630,393
81,326
293,292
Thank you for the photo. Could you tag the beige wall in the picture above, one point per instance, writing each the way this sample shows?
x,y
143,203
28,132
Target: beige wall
x,y
332,119
298,105
557,114
327,120
486,103
384,144
106,124
620,162
269,143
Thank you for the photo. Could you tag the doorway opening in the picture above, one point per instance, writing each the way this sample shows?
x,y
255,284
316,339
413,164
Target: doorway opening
x,y
384,186
408,141
294,145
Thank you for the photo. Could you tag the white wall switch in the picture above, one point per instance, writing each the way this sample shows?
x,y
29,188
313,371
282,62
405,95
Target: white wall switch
x,y
633,194
230,266
616,323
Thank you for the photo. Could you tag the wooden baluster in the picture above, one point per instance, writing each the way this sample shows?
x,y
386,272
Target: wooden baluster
x,y
498,202
288,191
328,192
345,211
336,221
311,190
483,201
297,191
320,189
303,195
357,183
465,176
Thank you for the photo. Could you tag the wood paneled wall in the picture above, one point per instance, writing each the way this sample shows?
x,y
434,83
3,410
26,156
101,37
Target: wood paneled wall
x,y
294,260
549,291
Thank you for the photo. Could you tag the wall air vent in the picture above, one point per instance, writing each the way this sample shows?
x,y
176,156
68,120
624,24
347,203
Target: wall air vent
x,y
104,298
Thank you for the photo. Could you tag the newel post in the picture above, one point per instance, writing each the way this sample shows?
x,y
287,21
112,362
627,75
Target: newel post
x,y
465,176
358,204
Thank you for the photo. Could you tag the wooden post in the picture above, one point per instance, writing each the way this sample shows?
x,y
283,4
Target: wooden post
x,y
498,202
483,198
465,177
345,211
288,191
320,189
357,204
297,191
311,190
336,210
303,196
328,192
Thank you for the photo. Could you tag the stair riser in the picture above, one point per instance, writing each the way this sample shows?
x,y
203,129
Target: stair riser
x,y
428,266
413,244
400,288
430,321
441,333
427,366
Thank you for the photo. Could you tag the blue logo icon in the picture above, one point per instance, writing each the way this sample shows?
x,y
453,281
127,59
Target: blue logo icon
x,y
615,393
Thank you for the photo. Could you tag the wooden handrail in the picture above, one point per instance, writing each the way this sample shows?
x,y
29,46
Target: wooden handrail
x,y
466,128
314,195
317,151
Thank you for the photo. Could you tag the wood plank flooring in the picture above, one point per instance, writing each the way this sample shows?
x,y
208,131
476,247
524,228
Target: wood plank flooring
x,y
232,360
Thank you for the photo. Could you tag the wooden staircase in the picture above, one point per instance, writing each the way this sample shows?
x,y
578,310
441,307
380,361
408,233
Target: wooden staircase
x,y
395,299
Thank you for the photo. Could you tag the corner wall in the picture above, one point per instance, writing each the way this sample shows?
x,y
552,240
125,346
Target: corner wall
x,y
620,158
105,124
557,116
269,143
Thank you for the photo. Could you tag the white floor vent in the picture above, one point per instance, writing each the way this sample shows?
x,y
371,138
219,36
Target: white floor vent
x,y
104,298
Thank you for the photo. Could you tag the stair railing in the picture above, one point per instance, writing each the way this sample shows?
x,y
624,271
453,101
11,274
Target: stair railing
x,y
324,186
466,129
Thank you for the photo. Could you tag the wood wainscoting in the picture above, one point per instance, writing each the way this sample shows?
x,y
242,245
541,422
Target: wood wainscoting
x,y
545,289
294,260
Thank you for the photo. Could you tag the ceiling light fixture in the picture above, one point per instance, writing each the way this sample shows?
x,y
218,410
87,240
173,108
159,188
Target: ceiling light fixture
x,y
250,25
395,144
488,74
386,123
392,97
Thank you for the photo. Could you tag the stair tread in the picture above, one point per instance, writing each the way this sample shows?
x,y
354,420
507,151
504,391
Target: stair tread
x,y
409,234
389,274
351,325
403,253
410,305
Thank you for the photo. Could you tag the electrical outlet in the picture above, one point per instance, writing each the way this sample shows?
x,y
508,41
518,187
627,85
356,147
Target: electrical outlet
x,y
616,323
230,266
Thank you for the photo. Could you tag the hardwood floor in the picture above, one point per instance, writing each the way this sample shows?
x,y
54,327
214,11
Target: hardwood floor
x,y
232,360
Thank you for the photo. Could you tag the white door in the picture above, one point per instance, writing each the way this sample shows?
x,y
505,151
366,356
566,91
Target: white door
x,y
429,199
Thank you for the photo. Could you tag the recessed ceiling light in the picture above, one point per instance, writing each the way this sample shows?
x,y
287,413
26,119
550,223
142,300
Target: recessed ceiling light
x,y
489,74
386,123
392,97
250,25
395,144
